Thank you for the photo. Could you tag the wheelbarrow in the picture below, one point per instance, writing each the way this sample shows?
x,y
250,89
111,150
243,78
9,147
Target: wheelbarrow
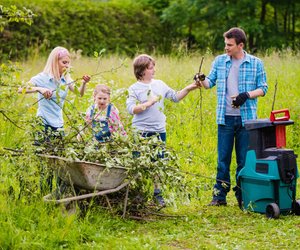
x,y
96,178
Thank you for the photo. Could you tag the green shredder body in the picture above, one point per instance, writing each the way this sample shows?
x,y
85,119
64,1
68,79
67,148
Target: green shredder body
x,y
270,173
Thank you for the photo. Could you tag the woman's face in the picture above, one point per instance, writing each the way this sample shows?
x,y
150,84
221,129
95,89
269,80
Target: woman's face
x,y
101,100
63,64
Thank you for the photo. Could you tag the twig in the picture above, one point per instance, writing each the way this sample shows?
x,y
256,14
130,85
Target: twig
x,y
14,150
274,96
10,120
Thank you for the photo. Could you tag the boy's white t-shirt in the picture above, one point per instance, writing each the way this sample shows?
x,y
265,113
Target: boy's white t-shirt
x,y
153,118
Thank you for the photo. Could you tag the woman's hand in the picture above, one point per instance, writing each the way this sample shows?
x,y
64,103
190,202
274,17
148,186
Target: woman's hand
x,y
47,93
86,78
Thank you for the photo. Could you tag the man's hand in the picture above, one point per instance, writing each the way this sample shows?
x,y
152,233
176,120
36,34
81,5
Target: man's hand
x,y
240,99
199,77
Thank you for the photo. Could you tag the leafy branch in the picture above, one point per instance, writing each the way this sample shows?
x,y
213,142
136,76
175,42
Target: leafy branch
x,y
13,14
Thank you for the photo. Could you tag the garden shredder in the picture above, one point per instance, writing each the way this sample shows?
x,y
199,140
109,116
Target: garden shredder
x,y
269,178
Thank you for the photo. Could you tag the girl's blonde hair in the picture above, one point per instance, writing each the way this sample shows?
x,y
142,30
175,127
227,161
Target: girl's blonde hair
x,y
140,64
101,88
52,67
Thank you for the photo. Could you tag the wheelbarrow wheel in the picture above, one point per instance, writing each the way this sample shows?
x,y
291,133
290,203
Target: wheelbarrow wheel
x,y
296,207
272,211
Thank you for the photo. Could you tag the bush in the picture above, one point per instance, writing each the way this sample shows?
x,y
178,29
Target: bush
x,y
85,25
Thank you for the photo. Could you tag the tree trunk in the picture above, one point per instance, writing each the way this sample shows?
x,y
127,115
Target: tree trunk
x,y
285,16
263,11
293,25
190,39
275,18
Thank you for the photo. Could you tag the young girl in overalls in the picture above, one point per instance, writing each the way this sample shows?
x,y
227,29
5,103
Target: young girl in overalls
x,y
103,115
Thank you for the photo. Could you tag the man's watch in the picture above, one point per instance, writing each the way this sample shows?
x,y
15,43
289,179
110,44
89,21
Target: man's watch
x,y
143,107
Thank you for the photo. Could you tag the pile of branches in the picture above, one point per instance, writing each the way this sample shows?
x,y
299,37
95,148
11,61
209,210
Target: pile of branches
x,y
140,156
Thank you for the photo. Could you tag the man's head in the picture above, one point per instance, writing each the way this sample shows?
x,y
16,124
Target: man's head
x,y
237,34
235,40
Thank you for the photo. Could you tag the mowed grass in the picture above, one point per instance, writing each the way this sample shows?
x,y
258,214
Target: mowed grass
x,y
29,223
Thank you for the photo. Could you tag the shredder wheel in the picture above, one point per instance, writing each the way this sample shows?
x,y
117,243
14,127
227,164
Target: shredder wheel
x,y
296,207
272,211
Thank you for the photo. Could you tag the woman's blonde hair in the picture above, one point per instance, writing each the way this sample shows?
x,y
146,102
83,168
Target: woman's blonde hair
x,y
52,67
101,88
140,64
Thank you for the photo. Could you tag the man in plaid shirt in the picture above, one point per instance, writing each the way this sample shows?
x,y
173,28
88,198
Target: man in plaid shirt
x,y
240,79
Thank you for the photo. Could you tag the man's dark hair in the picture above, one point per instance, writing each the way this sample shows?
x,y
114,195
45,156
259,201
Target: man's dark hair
x,y
238,35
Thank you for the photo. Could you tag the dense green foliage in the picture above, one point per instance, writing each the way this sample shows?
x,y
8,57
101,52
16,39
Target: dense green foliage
x,y
87,26
161,26
268,23
31,224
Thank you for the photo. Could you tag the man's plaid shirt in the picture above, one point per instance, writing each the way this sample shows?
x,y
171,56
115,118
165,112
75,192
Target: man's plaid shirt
x,y
251,76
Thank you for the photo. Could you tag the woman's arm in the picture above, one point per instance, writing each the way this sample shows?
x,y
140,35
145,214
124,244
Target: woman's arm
x,y
82,88
47,93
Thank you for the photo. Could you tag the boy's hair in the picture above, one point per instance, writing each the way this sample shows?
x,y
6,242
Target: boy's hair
x,y
101,88
140,64
238,35
51,67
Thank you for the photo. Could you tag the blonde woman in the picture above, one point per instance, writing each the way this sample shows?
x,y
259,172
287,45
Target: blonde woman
x,y
52,86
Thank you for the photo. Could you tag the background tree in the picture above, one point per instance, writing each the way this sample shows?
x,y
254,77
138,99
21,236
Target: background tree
x,y
158,26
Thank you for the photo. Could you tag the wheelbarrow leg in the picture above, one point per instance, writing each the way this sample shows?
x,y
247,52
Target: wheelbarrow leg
x,y
108,203
125,201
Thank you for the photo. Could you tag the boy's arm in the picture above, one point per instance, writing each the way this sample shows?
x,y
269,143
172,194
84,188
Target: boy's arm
x,y
143,106
134,106
182,93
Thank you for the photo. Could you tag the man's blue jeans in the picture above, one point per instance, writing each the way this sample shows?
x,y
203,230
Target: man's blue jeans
x,y
230,134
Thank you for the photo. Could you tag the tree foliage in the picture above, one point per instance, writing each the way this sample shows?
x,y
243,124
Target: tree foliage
x,y
161,26
86,25
268,23
11,13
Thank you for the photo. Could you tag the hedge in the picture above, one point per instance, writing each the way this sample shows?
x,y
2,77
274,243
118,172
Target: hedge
x,y
85,25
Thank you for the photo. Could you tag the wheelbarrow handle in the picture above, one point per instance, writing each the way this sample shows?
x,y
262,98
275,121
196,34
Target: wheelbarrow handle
x,y
286,116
